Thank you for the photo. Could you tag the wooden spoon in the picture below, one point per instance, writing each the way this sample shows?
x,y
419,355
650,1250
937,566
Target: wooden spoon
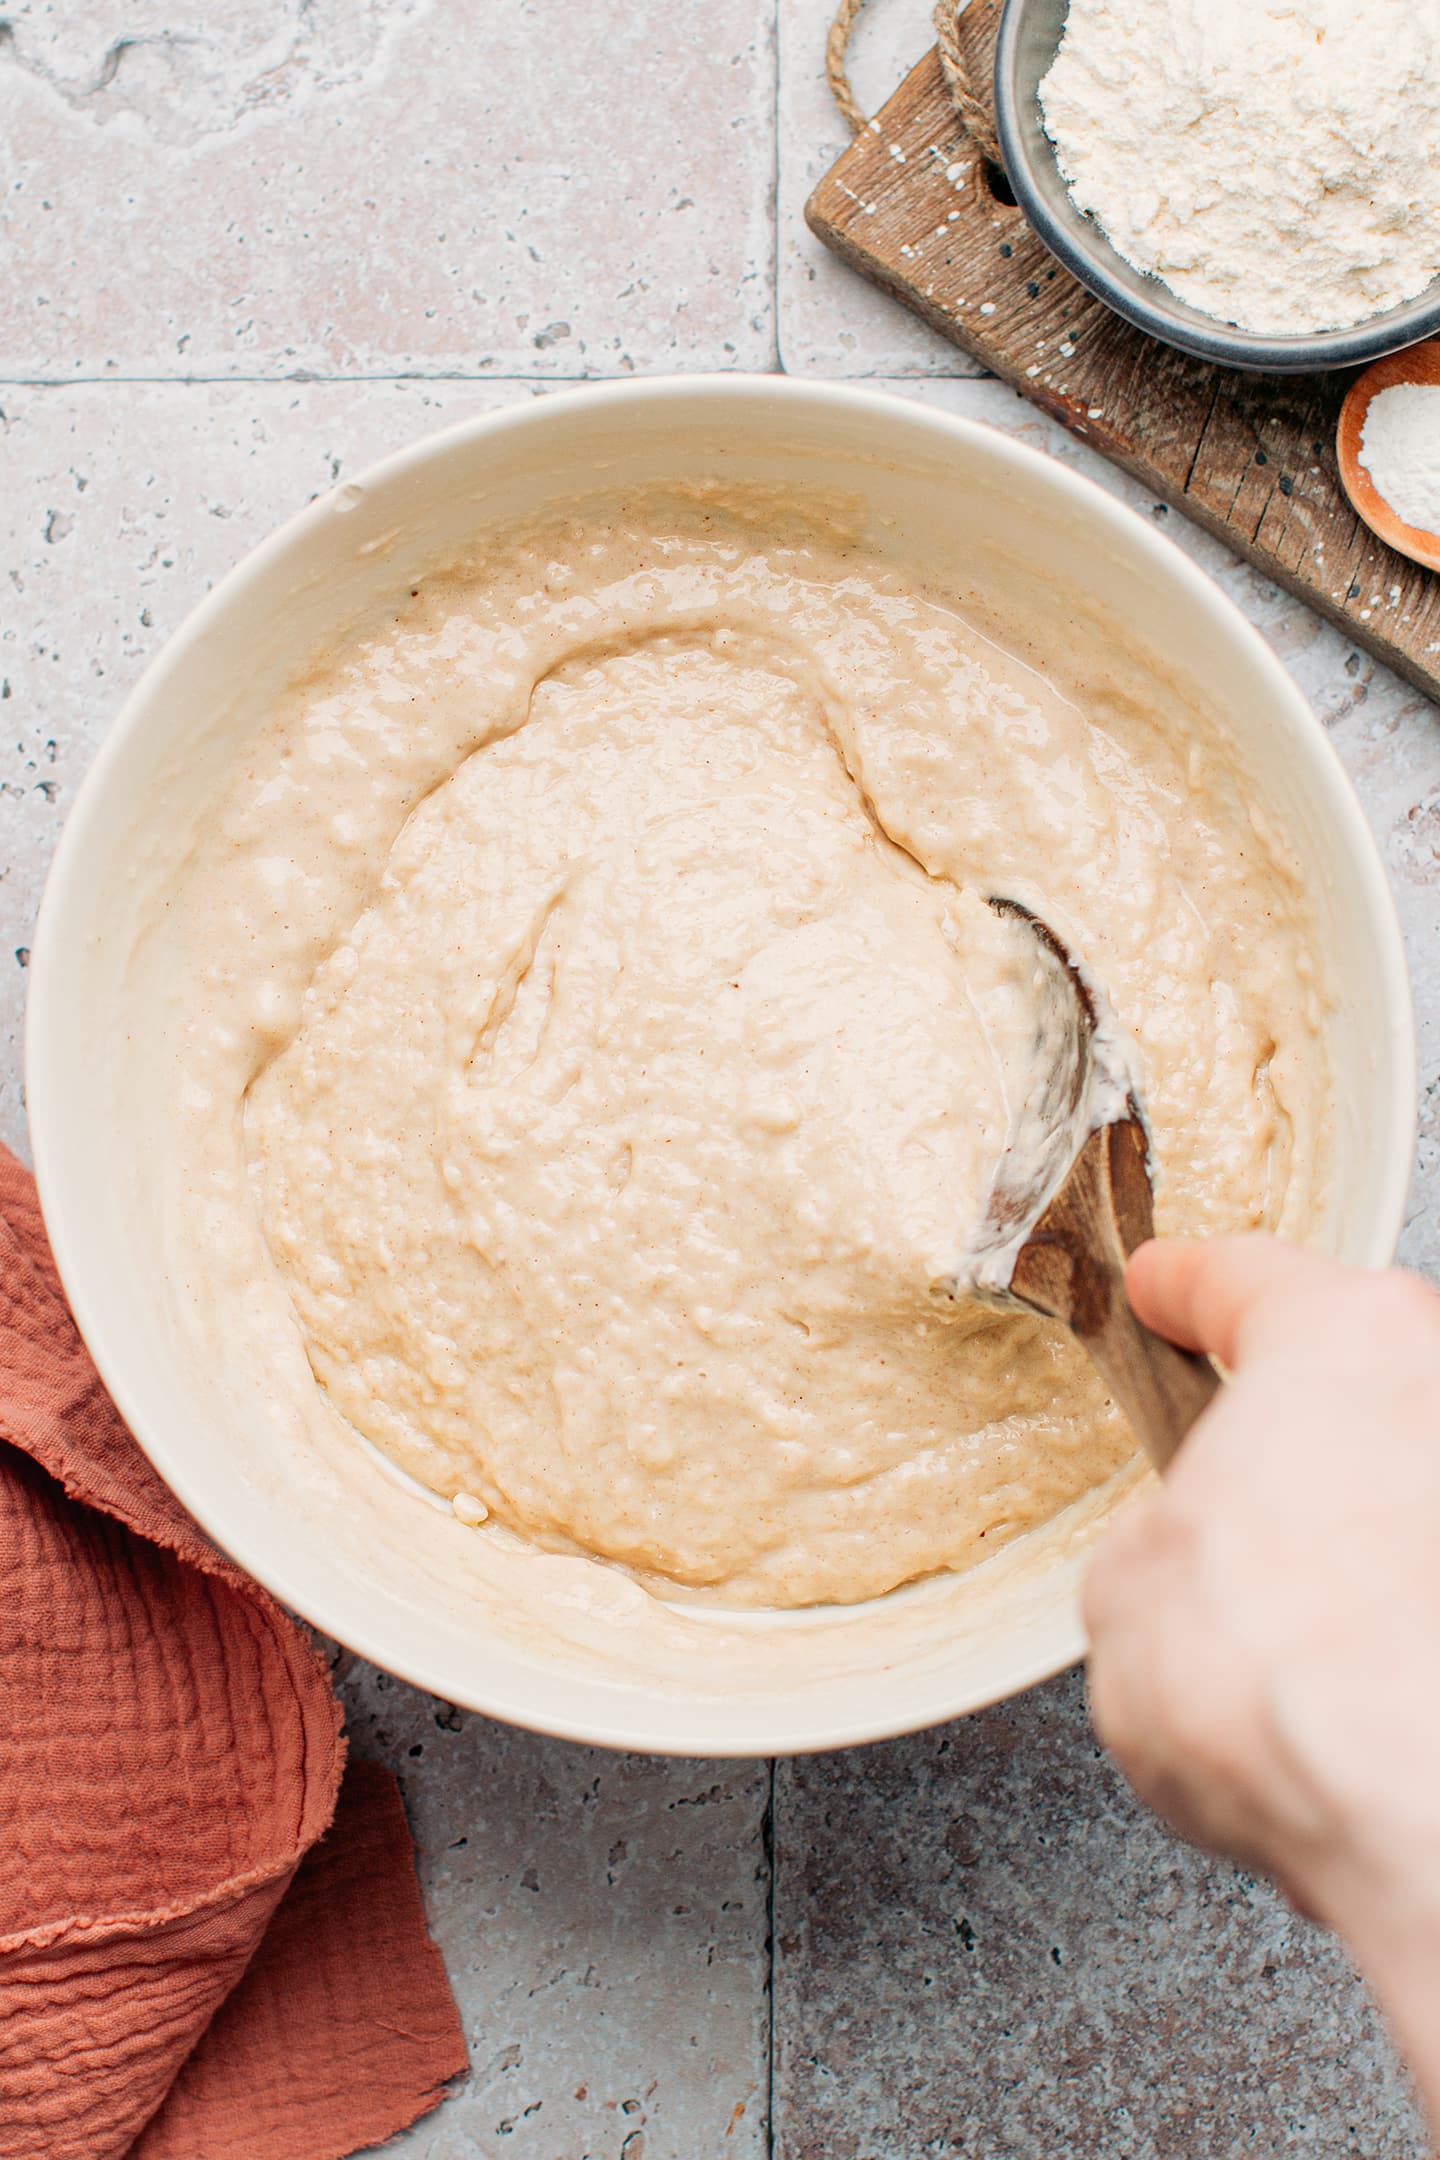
x,y
1418,364
1073,1198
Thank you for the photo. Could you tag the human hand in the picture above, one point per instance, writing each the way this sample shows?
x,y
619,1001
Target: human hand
x,y
1265,1632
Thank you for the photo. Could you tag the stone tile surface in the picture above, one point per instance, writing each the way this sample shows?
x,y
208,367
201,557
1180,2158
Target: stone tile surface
x,y
256,187
830,321
603,1919
985,1948
982,1947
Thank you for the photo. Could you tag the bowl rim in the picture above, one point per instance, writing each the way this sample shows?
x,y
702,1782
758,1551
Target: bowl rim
x,y
1167,317
768,1729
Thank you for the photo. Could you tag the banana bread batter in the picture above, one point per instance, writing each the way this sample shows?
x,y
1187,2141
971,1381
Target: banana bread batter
x,y
600,945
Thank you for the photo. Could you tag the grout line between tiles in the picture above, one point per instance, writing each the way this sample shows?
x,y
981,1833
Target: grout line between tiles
x,y
305,379
776,33
770,1842
776,251
302,378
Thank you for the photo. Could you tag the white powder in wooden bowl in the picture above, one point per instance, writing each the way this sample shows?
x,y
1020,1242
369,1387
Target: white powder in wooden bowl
x,y
1275,162
1400,449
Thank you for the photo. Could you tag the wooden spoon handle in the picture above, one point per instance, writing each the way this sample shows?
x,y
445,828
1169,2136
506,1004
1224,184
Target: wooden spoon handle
x,y
1073,1268
1162,1390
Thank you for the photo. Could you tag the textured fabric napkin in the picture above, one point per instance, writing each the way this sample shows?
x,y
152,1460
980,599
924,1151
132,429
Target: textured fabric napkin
x,y
210,1947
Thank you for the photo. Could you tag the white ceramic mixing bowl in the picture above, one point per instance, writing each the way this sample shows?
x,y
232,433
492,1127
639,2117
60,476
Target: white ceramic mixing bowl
x,y
563,1645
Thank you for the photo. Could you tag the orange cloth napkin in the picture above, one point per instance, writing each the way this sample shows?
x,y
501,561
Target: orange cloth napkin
x,y
210,1947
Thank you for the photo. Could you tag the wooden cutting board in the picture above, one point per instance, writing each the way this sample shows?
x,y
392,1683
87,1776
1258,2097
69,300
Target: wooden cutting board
x,y
1251,458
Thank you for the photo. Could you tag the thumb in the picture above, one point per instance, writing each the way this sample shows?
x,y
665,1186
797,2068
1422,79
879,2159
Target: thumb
x,y
1232,1296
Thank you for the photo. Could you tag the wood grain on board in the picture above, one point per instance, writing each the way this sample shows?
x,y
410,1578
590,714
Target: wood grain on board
x,y
913,206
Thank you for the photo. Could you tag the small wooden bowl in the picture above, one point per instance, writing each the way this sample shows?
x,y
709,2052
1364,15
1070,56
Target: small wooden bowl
x,y
1418,364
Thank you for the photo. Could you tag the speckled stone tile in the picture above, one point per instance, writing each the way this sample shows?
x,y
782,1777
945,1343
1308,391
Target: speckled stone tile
x,y
830,321
985,1948
379,187
603,1920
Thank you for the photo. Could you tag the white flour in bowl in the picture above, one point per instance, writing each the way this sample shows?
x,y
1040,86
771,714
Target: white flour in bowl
x,y
1275,162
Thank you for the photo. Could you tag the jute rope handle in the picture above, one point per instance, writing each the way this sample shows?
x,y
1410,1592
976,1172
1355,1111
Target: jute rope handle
x,y
974,111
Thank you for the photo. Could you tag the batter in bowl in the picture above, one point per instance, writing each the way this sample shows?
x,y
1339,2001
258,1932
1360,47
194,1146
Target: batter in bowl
x,y
628,1045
